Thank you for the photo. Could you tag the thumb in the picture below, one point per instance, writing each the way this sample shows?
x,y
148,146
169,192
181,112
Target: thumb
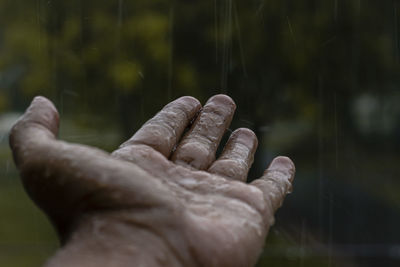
x,y
40,123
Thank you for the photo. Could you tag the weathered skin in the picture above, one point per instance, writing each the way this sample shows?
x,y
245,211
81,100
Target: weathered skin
x,y
160,199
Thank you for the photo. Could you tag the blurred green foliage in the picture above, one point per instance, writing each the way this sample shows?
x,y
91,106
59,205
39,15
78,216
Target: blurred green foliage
x,y
316,80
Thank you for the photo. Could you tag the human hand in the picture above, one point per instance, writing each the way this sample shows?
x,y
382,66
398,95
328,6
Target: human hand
x,y
159,199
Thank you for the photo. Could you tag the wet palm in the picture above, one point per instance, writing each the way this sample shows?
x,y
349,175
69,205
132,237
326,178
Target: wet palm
x,y
160,199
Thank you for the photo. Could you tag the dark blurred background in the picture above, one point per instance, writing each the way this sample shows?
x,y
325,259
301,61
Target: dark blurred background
x,y
317,81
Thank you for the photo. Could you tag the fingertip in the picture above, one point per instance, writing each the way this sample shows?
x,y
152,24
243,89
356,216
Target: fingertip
x,y
222,100
247,136
43,102
42,111
283,161
283,164
40,98
39,124
189,100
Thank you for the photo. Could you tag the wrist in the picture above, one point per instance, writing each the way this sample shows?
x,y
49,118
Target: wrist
x,y
114,239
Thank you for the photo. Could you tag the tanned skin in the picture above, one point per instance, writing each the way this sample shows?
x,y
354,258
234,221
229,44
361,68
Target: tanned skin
x,y
161,198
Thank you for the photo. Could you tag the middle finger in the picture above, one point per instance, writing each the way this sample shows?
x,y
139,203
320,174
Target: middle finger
x,y
197,148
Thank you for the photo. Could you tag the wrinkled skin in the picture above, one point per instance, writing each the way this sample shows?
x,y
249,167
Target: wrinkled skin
x,y
161,199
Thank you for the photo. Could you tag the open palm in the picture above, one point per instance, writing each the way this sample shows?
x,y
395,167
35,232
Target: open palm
x,y
161,199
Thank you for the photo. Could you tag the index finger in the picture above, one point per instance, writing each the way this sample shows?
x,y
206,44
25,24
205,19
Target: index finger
x,y
163,131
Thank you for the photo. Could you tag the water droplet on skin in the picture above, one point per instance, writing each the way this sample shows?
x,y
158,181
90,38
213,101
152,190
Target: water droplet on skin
x,y
188,183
